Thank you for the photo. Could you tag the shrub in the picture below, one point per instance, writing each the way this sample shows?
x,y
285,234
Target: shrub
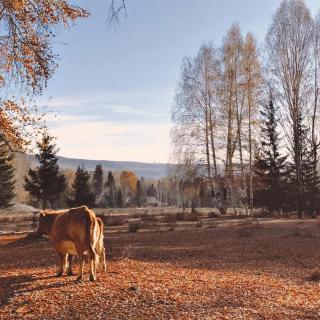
x,y
213,214
170,218
113,221
180,216
134,227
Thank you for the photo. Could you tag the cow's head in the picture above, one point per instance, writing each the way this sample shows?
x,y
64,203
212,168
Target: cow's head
x,y
45,222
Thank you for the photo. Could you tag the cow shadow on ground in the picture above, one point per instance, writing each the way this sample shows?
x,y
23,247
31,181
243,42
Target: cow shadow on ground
x,y
19,285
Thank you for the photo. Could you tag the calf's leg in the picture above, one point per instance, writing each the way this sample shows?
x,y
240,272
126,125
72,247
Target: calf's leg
x,y
70,261
62,264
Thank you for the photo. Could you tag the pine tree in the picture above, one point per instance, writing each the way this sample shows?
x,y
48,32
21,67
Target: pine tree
x,y
97,183
7,183
310,178
311,184
269,166
46,183
81,189
303,168
139,194
111,190
119,199
151,192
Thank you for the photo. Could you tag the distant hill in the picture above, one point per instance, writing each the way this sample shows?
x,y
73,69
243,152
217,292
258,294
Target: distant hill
x,y
147,170
141,169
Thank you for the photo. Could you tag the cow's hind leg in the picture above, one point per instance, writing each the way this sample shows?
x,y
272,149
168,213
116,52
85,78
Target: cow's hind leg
x,y
81,261
93,276
81,256
62,264
103,256
70,261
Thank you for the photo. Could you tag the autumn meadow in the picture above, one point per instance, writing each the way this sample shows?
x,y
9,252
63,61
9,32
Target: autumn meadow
x,y
160,159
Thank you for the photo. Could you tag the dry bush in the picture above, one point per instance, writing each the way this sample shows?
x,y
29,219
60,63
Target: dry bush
x,y
113,221
213,214
150,222
184,216
180,216
134,226
170,218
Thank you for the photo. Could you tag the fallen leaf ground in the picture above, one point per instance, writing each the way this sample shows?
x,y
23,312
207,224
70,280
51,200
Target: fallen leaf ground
x,y
244,272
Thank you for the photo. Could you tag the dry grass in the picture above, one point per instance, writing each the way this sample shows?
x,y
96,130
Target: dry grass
x,y
192,274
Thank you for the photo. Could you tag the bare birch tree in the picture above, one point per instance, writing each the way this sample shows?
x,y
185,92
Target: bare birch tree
x,y
252,77
195,115
232,107
314,115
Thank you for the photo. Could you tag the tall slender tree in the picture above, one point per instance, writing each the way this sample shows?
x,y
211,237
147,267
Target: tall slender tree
x,y
196,116
7,182
82,192
289,44
111,190
269,165
45,182
252,83
139,194
97,183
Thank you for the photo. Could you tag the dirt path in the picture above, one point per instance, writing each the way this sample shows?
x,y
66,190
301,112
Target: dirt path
x,y
243,272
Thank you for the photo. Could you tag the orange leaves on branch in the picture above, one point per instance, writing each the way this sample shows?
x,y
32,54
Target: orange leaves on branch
x,y
19,124
28,28
128,181
27,59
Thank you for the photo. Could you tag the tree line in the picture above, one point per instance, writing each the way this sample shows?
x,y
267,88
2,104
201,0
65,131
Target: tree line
x,y
50,187
246,119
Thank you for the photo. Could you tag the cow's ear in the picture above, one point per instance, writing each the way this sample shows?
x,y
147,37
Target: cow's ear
x,y
42,214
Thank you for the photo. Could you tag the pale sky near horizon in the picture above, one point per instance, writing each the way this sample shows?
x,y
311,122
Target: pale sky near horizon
x,y
114,88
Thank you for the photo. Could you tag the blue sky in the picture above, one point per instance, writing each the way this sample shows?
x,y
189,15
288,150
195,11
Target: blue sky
x,y
114,88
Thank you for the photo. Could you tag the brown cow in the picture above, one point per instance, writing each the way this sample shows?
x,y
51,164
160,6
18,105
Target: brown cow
x,y
74,232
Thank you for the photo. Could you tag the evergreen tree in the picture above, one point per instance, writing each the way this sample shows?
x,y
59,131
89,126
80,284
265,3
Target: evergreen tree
x,y
97,183
151,192
46,183
119,199
82,193
202,194
305,171
143,190
309,176
111,190
269,165
139,194
7,183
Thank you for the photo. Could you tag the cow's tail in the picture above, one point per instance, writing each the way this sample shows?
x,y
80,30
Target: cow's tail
x,y
91,221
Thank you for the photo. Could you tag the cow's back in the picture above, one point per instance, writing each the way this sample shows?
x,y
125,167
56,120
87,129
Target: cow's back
x,y
73,225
